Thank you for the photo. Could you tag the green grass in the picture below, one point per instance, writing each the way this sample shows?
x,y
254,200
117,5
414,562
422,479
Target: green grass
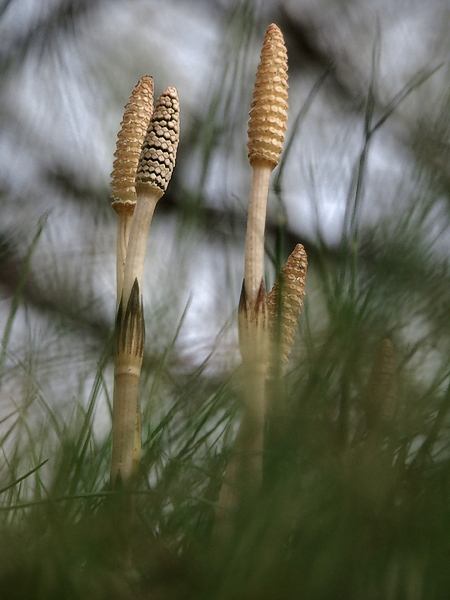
x,y
342,514
345,511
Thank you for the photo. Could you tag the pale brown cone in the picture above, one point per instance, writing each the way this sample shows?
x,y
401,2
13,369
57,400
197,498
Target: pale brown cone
x,y
136,119
284,309
159,150
268,114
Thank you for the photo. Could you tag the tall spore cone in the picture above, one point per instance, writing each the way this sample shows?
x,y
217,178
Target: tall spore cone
x,y
136,119
159,150
155,167
266,129
268,114
284,304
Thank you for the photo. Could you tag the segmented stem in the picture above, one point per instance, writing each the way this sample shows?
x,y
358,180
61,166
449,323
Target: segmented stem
x,y
130,335
266,128
156,162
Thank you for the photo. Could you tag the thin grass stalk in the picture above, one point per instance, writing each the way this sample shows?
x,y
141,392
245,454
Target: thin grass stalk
x,y
381,396
18,293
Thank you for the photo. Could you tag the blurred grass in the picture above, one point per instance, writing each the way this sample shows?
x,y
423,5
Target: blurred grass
x,y
347,510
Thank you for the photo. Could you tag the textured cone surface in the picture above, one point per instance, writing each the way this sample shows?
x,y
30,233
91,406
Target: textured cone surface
x,y
268,114
136,119
159,150
284,304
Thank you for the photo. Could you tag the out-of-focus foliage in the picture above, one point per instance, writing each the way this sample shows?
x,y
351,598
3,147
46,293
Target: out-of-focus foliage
x,y
352,506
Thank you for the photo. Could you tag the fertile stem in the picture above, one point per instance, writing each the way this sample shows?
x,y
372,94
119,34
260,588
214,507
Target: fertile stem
x,y
266,133
130,335
156,162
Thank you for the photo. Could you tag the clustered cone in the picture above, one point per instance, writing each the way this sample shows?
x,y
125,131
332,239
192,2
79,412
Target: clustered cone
x,y
159,149
268,114
284,310
136,119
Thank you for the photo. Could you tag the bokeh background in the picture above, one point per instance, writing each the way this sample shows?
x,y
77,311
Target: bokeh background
x,y
356,483
67,69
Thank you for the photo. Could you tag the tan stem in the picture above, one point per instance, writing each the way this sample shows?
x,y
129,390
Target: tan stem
x,y
243,473
137,439
256,222
137,246
124,425
123,235
130,336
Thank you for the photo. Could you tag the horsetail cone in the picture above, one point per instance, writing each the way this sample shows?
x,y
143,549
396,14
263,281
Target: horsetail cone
x,y
155,167
157,158
284,304
136,119
268,114
266,129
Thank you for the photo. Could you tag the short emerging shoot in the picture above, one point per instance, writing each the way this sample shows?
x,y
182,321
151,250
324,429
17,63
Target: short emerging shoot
x,y
284,304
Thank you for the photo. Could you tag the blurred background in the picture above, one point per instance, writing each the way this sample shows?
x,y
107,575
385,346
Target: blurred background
x,y
368,140
355,500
